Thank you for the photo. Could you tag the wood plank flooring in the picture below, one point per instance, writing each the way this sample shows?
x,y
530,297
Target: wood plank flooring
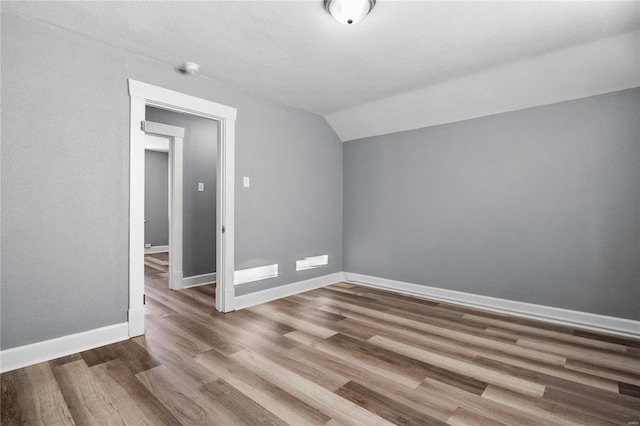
x,y
343,354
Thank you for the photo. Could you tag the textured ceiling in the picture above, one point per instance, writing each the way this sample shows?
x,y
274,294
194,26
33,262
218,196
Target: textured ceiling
x,y
295,53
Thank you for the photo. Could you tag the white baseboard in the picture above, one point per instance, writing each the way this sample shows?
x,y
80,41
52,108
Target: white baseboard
x,y
198,280
156,249
23,356
268,295
601,323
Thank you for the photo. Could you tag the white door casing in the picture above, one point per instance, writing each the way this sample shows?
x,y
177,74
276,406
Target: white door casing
x,y
142,95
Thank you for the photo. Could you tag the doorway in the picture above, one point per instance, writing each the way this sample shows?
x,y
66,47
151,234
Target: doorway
x,y
162,138
141,96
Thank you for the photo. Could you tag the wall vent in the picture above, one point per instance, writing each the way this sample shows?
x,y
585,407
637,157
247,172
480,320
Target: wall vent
x,y
312,262
255,274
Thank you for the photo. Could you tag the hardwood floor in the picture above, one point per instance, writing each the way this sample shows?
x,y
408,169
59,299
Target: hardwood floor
x,y
343,354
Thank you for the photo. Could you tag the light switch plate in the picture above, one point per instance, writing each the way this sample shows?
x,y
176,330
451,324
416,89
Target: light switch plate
x,y
245,182
200,186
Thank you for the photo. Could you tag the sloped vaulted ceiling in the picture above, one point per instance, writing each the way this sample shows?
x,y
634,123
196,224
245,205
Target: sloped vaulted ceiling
x,y
410,64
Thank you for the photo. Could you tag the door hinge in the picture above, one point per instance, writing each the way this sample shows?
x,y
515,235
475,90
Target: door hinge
x,y
144,299
142,126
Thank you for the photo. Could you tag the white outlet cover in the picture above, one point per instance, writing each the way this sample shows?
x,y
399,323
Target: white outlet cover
x,y
246,182
200,186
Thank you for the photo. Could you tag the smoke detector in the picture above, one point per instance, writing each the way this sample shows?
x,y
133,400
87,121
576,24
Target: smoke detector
x,y
189,67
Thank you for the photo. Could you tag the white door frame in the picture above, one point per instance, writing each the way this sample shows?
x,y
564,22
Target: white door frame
x,y
141,95
175,136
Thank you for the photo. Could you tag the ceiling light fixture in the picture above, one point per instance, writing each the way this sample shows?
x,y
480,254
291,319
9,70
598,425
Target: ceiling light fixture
x,y
349,11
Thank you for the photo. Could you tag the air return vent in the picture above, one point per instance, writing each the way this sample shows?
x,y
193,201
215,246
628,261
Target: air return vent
x,y
312,262
255,274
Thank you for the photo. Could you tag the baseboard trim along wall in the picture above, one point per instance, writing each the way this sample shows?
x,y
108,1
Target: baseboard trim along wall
x,y
268,295
22,356
14,358
198,280
156,249
595,322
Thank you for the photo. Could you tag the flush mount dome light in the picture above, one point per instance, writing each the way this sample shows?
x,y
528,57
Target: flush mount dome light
x,y
349,11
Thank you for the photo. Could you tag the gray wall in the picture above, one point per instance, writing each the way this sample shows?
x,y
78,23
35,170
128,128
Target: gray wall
x,y
64,236
156,198
539,205
199,208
